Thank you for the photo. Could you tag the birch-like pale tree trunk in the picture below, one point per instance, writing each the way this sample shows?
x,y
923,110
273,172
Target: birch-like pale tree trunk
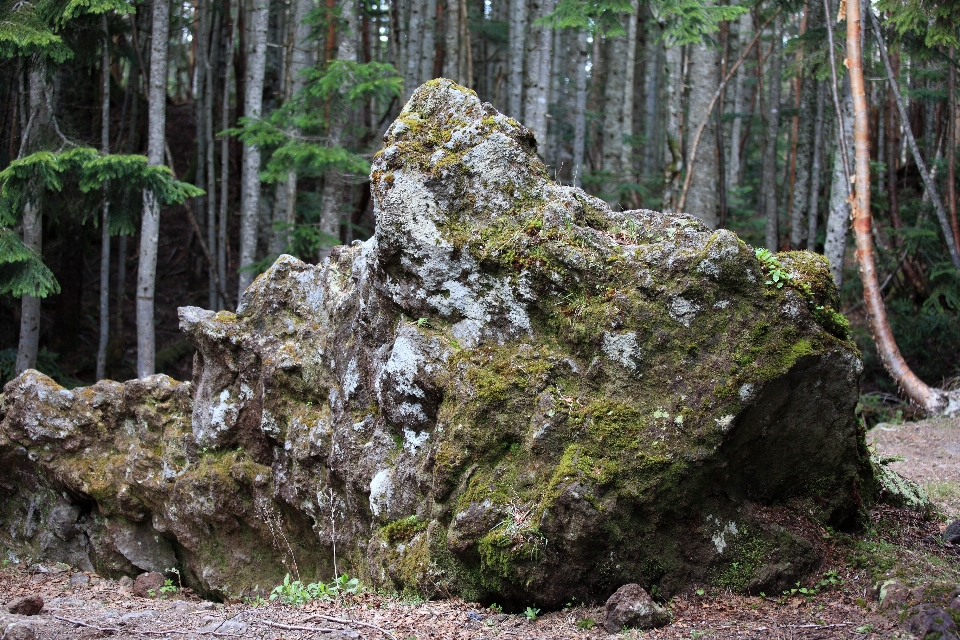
x,y
838,220
816,168
298,59
613,131
428,51
331,207
150,221
105,220
580,107
768,175
258,19
702,197
537,78
414,46
517,44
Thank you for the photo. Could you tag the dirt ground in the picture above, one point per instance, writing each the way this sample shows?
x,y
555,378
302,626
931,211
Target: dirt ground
x,y
841,600
930,456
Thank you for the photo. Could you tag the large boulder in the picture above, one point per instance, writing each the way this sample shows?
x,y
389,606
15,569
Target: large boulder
x,y
510,392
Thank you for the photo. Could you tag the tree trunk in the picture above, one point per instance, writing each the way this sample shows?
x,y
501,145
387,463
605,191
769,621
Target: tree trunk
x,y
674,136
799,206
414,46
629,74
580,108
212,46
952,149
704,79
150,222
32,219
740,104
945,225
105,221
230,35
333,183
537,79
259,14
933,401
768,175
653,73
816,169
517,44
838,221
298,59
613,104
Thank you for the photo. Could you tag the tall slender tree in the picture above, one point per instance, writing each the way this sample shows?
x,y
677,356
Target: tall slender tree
x,y
150,220
105,219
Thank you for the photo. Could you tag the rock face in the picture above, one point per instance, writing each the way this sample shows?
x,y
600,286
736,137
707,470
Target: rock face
x,y
631,607
510,392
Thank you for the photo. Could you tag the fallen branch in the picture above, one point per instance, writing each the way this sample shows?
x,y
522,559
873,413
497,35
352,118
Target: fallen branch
x,y
81,623
293,627
349,622
815,626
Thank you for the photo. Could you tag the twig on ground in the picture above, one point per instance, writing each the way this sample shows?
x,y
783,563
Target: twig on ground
x,y
293,627
81,623
349,622
815,626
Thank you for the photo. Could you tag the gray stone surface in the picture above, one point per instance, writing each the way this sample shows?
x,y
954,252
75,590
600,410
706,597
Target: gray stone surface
x,y
631,607
510,392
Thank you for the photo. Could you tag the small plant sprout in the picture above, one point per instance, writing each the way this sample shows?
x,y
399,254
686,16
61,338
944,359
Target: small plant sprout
x,y
776,276
530,613
518,527
496,608
168,588
586,624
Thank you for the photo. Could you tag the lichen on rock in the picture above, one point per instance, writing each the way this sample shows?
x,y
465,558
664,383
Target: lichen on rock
x,y
509,392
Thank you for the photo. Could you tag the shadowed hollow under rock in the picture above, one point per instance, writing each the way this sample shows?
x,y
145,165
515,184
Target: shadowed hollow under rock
x,y
510,392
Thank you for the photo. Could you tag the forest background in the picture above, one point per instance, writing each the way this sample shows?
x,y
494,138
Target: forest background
x,y
160,154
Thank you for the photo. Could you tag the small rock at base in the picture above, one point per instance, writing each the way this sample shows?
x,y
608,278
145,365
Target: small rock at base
x,y
79,580
133,616
955,604
26,606
893,595
125,585
631,606
952,533
19,631
147,585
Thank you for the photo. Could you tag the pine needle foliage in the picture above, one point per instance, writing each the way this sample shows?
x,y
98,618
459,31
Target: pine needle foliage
x,y
296,135
73,183
33,27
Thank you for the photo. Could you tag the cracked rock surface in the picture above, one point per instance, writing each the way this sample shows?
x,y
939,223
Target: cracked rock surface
x,y
509,393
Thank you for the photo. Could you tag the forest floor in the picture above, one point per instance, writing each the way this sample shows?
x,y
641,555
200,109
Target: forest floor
x,y
840,601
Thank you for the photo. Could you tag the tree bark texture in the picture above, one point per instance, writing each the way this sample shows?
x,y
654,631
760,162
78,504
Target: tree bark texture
x,y
150,221
518,34
768,175
702,200
104,330
580,108
838,220
258,16
816,168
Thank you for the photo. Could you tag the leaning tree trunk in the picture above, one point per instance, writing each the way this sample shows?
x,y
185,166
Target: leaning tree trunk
x,y
932,400
702,200
105,222
150,222
768,171
252,108
945,225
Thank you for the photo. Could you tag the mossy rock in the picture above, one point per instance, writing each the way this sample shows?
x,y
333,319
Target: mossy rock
x,y
511,392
